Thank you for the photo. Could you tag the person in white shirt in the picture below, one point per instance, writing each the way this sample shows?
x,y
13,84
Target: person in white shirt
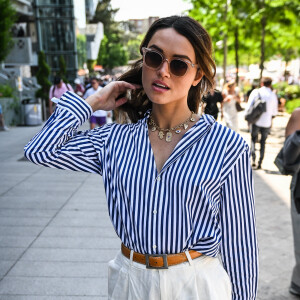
x,y
228,105
99,116
263,124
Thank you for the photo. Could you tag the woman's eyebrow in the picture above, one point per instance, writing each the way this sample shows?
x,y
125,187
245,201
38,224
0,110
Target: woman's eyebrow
x,y
174,55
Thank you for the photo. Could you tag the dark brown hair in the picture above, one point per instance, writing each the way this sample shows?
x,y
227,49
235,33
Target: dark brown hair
x,y
138,102
266,81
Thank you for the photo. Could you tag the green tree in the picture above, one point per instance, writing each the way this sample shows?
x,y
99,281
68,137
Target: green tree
x,y
278,19
106,15
213,15
265,16
42,77
133,47
102,54
112,52
7,19
90,65
62,69
81,49
260,24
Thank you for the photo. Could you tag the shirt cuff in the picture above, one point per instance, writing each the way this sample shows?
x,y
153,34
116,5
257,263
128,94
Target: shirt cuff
x,y
76,105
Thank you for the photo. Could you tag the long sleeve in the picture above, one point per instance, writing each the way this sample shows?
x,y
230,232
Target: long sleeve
x,y
275,105
60,145
239,251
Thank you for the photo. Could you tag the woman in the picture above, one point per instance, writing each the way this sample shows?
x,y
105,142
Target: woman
x,y
228,106
178,185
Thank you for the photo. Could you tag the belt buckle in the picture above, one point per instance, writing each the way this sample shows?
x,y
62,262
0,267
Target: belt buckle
x,y
164,257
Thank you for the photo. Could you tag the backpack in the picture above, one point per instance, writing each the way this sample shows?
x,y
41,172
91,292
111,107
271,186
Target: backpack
x,y
255,110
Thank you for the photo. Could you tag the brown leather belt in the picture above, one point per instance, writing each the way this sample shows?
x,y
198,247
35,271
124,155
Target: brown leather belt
x,y
159,261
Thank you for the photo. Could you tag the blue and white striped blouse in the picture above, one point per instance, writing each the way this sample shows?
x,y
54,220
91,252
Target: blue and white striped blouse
x,y
202,199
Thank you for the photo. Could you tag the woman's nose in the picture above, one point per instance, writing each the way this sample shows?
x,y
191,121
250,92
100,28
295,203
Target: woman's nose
x,y
164,69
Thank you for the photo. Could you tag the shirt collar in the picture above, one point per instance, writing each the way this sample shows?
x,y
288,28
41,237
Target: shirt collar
x,y
193,135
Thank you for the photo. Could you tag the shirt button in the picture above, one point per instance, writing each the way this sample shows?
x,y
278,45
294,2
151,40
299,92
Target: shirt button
x,y
155,212
154,246
158,178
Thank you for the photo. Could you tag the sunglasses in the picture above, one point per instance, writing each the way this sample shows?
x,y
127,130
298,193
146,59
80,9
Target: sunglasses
x,y
154,60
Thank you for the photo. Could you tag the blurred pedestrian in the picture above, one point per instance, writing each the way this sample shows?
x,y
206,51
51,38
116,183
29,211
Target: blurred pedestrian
x,y
57,90
263,125
228,105
87,83
288,162
79,89
2,122
178,184
254,85
98,117
211,102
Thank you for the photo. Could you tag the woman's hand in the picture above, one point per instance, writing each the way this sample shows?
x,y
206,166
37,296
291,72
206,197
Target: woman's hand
x,y
106,98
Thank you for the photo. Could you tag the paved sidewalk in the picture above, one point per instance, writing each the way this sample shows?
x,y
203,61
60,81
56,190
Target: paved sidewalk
x,y
56,237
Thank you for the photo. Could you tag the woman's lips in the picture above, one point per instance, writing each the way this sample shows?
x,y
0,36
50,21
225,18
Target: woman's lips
x,y
159,86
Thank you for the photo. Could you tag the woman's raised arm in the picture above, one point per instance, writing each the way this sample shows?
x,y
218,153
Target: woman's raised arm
x,y
60,145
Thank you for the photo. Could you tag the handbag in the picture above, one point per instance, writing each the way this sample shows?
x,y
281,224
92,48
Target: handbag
x,y
238,107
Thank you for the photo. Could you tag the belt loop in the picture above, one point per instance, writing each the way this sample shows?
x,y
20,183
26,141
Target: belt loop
x,y
131,257
187,253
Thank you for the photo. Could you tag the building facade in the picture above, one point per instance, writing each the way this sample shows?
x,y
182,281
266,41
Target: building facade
x,y
55,24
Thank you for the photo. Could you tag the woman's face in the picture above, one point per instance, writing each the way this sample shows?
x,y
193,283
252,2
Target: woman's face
x,y
161,86
231,87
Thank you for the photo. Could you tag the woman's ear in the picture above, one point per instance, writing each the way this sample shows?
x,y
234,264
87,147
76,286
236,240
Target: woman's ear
x,y
198,77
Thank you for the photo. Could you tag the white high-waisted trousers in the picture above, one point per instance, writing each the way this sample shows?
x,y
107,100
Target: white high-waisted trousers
x,y
203,278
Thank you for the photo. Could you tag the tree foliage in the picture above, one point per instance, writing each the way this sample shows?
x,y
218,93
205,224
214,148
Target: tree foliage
x,y
81,49
62,69
7,19
112,52
133,47
256,30
42,77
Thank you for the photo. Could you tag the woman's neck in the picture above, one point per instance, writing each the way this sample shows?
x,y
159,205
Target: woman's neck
x,y
168,116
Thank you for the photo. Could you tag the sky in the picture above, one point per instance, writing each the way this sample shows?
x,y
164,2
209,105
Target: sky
x,y
79,13
141,9
136,9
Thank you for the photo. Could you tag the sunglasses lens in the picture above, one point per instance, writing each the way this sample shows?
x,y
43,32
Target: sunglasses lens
x,y
178,67
153,59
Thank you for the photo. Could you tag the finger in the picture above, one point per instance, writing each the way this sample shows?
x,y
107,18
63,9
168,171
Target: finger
x,y
121,101
123,85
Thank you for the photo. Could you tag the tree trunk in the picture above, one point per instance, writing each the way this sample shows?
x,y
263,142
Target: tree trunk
x,y
224,57
285,71
225,45
236,48
262,43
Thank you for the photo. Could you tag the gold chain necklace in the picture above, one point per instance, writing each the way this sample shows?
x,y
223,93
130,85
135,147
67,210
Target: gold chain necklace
x,y
161,131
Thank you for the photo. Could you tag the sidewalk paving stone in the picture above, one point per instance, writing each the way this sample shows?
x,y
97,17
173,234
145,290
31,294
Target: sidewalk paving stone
x,y
59,269
50,286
